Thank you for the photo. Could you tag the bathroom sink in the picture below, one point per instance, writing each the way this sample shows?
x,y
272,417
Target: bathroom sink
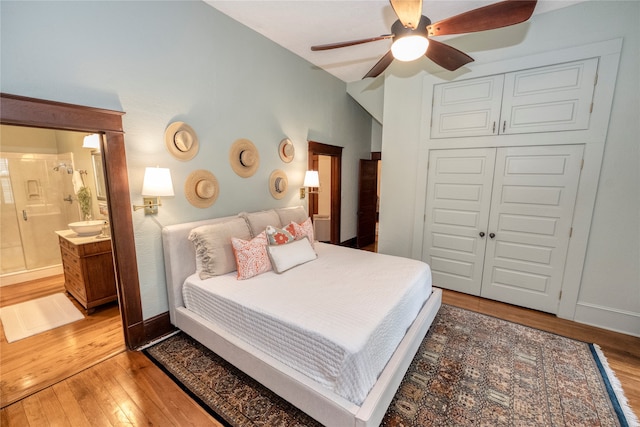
x,y
87,228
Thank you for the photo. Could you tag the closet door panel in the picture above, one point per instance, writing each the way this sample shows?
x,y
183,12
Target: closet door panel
x,y
534,191
458,199
549,99
467,108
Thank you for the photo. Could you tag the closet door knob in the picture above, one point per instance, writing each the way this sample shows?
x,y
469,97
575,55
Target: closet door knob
x,y
482,234
492,235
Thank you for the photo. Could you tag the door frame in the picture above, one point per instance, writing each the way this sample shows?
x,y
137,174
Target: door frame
x,y
318,149
31,112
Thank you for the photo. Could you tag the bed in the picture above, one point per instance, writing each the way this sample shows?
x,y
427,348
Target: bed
x,y
343,381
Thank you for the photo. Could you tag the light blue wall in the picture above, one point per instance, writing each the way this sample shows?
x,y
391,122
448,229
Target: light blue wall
x,y
166,61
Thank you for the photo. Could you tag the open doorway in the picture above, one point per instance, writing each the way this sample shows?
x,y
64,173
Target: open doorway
x,y
368,202
329,158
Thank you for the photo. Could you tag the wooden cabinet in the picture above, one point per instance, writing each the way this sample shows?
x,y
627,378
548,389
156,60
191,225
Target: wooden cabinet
x,y
89,274
546,99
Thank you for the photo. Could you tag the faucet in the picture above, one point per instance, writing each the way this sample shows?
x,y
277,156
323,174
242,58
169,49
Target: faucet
x,y
68,199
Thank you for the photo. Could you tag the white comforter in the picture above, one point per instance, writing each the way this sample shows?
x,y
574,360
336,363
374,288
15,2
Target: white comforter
x,y
337,319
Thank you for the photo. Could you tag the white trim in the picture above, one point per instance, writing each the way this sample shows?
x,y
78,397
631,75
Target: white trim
x,y
26,276
625,322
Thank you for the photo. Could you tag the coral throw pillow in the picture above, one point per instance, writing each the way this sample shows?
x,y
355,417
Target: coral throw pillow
x,y
304,229
251,256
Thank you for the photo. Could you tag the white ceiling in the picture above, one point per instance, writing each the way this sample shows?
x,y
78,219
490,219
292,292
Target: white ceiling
x,y
299,24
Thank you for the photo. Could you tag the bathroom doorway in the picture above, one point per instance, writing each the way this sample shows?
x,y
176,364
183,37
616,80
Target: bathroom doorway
x,y
40,170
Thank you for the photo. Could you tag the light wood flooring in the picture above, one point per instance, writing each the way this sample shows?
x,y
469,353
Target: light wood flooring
x,y
128,389
36,362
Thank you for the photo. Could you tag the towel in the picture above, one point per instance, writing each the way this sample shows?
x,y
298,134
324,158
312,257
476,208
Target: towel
x,y
78,183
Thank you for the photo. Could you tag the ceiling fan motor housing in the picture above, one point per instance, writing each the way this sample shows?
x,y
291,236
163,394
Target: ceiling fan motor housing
x,y
399,30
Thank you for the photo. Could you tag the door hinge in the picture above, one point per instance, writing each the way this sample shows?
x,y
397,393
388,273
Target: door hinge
x,y
560,295
571,232
581,164
595,79
591,108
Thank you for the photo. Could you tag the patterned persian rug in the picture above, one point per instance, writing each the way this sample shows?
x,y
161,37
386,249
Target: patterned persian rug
x,y
471,370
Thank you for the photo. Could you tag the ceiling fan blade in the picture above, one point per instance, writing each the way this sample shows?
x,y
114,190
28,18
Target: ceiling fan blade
x,y
497,15
409,12
380,66
350,43
446,56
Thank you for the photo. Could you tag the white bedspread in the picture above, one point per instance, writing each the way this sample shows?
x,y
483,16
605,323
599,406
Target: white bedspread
x,y
337,319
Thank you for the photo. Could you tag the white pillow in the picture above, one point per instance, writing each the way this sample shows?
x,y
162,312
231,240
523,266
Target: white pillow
x,y
214,253
285,257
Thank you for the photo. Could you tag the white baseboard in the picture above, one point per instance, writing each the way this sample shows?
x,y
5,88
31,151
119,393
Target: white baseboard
x,y
26,276
625,322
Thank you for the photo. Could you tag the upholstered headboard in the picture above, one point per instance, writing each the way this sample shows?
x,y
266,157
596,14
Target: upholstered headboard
x,y
180,258
179,251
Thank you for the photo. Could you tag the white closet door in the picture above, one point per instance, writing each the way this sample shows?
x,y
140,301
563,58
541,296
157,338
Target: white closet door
x,y
458,200
467,108
534,194
548,99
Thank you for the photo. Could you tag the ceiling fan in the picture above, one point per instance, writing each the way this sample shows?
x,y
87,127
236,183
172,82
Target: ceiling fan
x,y
412,32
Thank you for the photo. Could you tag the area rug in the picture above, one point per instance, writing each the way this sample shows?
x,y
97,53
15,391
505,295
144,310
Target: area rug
x,y
39,315
470,370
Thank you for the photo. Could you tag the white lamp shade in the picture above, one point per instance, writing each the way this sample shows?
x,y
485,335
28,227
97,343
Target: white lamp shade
x,y
157,182
409,48
311,179
91,141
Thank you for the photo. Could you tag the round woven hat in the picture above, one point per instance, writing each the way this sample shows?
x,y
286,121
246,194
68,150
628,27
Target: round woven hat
x,y
244,158
278,183
201,188
181,141
286,150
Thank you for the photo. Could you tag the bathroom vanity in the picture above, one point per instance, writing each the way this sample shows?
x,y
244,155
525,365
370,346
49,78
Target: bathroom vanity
x,y
89,274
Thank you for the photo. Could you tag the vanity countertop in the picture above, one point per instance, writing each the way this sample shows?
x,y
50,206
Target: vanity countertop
x,y
76,239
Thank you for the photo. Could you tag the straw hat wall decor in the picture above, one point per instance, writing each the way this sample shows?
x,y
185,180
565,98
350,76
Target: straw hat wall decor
x,y
278,184
201,188
244,158
181,141
286,150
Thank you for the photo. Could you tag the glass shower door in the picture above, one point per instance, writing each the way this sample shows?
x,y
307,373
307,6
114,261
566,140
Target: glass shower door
x,y
41,193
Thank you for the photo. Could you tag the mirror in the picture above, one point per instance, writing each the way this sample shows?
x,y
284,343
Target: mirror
x,y
98,174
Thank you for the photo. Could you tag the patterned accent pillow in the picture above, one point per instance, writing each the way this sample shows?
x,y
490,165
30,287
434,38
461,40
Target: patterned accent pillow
x,y
251,256
278,236
304,229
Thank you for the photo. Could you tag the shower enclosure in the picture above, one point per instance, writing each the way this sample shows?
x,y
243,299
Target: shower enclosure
x,y
37,198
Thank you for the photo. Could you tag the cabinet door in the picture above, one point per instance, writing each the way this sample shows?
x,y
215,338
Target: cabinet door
x,y
457,211
467,108
533,197
548,99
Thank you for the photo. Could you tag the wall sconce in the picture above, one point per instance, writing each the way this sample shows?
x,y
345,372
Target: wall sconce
x,y
92,141
156,183
311,180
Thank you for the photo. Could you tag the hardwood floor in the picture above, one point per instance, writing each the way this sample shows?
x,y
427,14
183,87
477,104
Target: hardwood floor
x,y
34,363
129,389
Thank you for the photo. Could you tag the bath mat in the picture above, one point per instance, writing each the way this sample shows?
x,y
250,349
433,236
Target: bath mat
x,y
39,315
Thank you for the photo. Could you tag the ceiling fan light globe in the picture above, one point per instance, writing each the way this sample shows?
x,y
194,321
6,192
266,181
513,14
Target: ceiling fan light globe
x,y
409,48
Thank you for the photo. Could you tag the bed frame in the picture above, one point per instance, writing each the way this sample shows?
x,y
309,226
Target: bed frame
x,y
320,403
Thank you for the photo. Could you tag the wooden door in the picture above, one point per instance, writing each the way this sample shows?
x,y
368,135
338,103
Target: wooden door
x,y
457,213
534,193
367,202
